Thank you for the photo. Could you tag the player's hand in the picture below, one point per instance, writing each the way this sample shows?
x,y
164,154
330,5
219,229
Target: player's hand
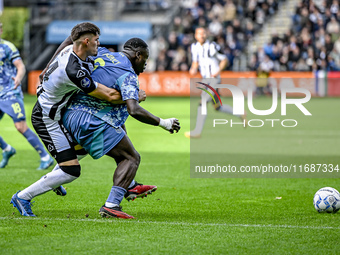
x,y
16,82
193,71
141,95
216,74
171,125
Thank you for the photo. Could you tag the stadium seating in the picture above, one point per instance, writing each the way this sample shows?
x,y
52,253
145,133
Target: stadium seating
x,y
312,43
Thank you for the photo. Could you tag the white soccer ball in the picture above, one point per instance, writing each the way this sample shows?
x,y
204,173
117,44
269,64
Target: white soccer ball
x,y
327,200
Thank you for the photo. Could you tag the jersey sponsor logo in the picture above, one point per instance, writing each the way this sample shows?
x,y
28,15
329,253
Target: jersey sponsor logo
x,y
85,83
80,74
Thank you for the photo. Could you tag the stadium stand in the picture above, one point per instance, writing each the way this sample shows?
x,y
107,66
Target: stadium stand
x,y
230,23
312,43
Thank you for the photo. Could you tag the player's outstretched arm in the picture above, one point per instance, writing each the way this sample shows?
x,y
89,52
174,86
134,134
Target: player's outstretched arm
x,y
142,115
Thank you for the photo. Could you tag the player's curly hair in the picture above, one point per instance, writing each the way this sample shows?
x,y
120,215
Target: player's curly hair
x,y
135,44
82,29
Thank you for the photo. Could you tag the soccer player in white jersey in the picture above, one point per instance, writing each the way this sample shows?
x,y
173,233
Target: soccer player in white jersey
x,y
68,73
207,58
12,71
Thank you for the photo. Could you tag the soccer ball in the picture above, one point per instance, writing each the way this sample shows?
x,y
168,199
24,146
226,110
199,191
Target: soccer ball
x,y
327,200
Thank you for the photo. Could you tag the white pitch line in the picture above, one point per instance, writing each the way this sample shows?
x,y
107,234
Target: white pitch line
x,y
119,221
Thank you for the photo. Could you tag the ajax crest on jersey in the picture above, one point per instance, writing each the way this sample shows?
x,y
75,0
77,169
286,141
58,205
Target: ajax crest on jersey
x,y
327,200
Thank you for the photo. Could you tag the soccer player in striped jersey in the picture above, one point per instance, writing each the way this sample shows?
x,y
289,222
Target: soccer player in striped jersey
x,y
12,70
210,61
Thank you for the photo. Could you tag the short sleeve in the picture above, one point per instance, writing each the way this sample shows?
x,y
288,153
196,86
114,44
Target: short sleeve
x,y
80,76
194,53
130,87
13,53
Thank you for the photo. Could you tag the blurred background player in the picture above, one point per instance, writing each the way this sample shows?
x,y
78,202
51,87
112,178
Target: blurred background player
x,y
12,71
206,58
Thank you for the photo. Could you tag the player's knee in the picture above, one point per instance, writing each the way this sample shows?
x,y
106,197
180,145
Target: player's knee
x,y
71,170
217,107
21,127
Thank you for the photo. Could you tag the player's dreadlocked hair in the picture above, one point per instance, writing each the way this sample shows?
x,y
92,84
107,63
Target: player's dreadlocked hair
x,y
82,29
135,44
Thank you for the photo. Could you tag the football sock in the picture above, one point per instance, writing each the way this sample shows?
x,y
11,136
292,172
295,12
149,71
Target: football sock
x,y
3,144
56,167
46,183
33,139
8,148
199,121
115,197
45,158
132,184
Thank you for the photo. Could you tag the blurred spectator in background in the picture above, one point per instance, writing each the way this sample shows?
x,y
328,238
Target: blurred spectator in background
x,y
229,23
313,41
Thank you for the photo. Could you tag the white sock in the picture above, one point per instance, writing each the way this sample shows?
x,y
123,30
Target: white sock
x,y
56,167
108,204
8,148
46,183
199,121
45,158
132,184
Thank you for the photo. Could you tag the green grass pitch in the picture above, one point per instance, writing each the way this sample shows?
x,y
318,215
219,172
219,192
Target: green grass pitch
x,y
185,215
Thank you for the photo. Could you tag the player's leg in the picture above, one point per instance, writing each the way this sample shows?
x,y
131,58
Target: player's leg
x,y
57,140
81,153
127,159
16,111
229,110
7,150
45,159
200,119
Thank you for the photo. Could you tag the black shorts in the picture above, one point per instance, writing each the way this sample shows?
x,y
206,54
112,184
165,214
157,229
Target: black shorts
x,y
54,135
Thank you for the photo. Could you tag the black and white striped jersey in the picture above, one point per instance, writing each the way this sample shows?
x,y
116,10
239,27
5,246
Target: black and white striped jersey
x,y
66,75
208,57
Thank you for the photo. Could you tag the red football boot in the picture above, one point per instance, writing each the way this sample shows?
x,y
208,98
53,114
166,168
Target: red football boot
x,y
139,190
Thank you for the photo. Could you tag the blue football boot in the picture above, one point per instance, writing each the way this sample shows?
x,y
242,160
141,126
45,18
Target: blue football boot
x,y
45,164
6,155
23,206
